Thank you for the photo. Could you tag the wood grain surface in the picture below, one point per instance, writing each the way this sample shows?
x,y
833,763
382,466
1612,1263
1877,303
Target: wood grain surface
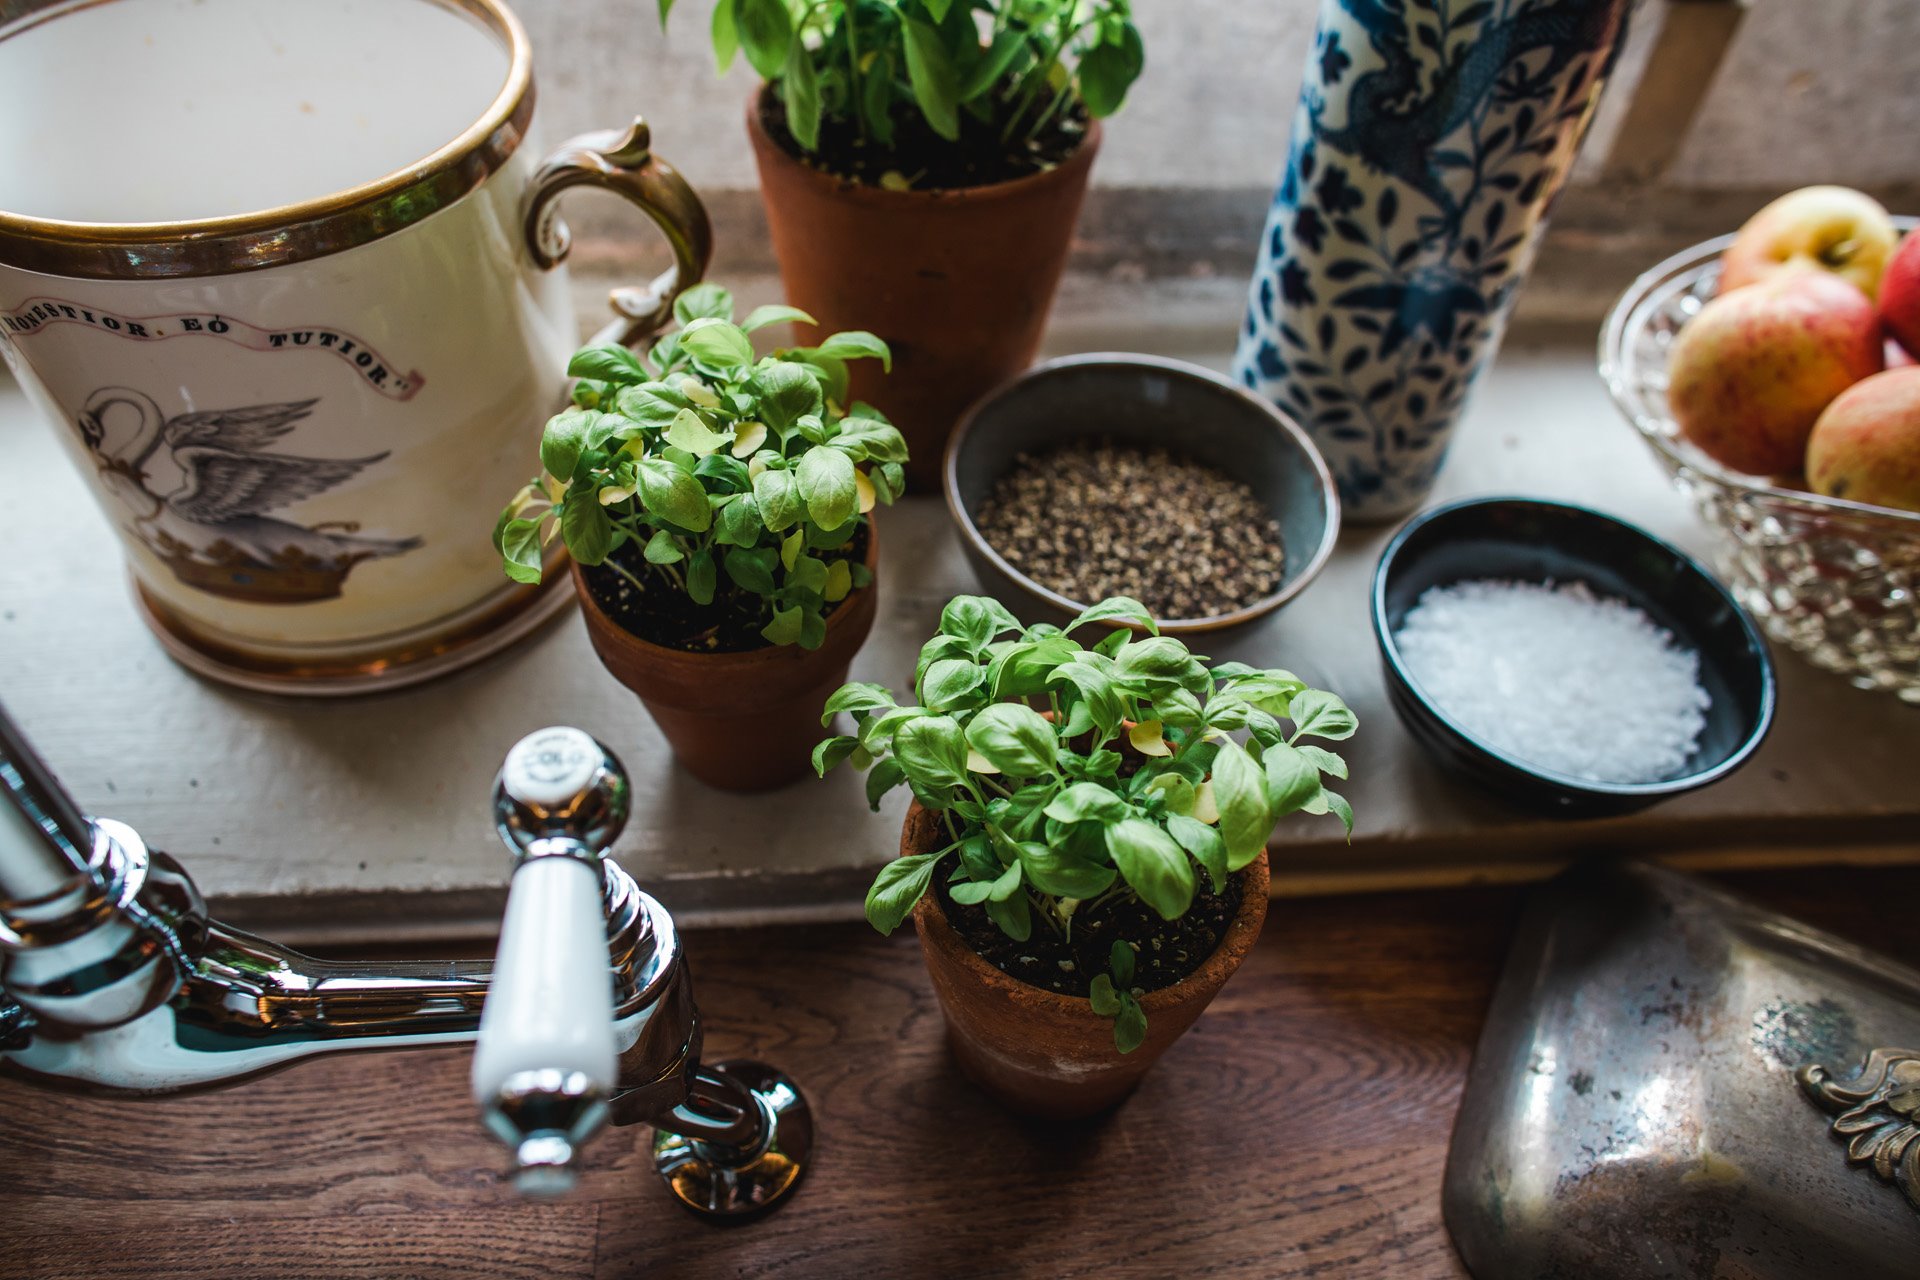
x,y
1300,1130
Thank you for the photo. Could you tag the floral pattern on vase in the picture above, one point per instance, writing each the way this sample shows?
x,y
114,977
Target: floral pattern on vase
x,y
1429,143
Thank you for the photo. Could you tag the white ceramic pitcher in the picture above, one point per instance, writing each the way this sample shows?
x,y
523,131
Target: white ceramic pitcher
x,y
285,277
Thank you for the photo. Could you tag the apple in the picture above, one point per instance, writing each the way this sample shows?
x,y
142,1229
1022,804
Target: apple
x,y
1748,376
1836,229
1900,295
1866,446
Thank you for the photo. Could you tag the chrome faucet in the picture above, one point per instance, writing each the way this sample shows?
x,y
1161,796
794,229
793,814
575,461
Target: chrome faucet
x,y
114,979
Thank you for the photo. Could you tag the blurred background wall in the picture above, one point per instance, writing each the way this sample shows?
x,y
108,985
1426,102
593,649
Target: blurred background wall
x,y
1806,91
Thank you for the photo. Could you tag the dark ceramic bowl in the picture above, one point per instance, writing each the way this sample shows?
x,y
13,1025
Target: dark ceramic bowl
x,y
1525,540
1144,400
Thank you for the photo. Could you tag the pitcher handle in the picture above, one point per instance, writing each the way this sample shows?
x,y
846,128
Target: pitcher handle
x,y
624,163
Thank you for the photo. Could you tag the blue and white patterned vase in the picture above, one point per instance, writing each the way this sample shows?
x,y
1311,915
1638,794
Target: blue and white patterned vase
x,y
1431,139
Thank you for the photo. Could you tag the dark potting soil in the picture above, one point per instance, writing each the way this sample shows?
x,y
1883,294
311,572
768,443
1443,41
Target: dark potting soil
x,y
660,612
1165,951
926,160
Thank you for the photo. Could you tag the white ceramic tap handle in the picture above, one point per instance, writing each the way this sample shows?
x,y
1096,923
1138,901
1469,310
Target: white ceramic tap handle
x,y
546,1062
550,1002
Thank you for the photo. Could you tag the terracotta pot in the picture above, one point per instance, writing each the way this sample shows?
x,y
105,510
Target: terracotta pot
x,y
1044,1054
957,282
738,721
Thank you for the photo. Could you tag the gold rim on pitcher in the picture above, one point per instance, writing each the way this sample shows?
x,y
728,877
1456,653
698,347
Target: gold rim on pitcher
x,y
289,233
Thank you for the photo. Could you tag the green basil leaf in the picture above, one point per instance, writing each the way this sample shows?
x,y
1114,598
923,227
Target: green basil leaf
x,y
725,35
975,621
1204,843
976,854
751,568
950,682
651,404
1106,72
689,431
1100,994
715,342
563,440
1087,802
518,542
661,548
1176,791
785,392
936,86
609,363
882,778
934,751
585,526
879,729
993,64
1008,884
774,313
702,300
1097,695
1120,609
1015,739
1323,760
1319,714
826,481
1120,961
857,344
701,577
856,698
1013,917
1240,794
1130,1028
785,627
1161,661
1156,867
831,752
779,500
673,495
738,522
766,31
864,439
800,89
1292,779
1062,874
897,888
1337,803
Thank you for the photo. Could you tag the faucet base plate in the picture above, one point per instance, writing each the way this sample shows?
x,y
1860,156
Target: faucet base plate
x,y
730,1182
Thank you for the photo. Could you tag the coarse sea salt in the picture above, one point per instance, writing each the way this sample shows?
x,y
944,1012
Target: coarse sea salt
x,y
1557,676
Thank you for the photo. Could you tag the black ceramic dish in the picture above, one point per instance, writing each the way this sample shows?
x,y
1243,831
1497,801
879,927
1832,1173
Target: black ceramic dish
x,y
1151,401
1519,539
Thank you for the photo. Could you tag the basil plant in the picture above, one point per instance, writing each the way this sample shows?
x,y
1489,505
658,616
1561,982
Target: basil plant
x,y
720,470
1066,775
1014,66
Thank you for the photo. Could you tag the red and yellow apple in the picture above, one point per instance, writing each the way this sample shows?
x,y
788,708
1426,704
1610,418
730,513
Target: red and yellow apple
x,y
1866,446
1749,375
1900,294
1835,229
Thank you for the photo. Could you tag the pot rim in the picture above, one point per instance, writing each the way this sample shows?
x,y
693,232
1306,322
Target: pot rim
x,y
1242,932
296,232
648,649
1283,422
1081,157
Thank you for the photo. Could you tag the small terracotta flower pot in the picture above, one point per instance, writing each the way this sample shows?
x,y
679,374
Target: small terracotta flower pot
x,y
958,282
1044,1054
743,721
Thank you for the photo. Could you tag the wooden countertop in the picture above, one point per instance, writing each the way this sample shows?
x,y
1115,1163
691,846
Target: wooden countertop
x,y
1299,1130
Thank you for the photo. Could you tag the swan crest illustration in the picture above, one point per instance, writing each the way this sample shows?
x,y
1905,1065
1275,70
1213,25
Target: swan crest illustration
x,y
1878,1114
213,529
